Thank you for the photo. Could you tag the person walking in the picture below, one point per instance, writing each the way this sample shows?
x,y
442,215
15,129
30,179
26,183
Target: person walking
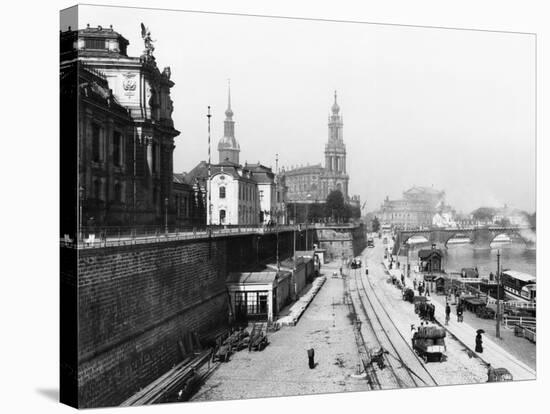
x,y
479,342
311,358
447,313
427,291
459,310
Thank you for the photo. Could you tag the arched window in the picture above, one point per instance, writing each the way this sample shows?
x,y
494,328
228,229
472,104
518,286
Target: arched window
x,y
222,192
222,216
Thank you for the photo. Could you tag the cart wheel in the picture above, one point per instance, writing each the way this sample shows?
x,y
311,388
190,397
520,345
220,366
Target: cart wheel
x,y
425,358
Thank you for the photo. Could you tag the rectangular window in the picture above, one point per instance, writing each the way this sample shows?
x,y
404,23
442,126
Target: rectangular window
x,y
96,143
117,149
222,192
95,43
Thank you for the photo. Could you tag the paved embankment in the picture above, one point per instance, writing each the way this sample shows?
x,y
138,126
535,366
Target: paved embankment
x,y
281,369
464,332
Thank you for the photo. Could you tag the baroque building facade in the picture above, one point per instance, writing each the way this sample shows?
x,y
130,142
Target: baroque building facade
x,y
415,209
125,128
313,183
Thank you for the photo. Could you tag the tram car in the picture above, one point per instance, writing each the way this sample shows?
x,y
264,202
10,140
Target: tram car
x,y
519,286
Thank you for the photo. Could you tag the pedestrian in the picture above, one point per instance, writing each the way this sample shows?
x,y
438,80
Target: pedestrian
x,y
311,358
447,313
420,289
427,291
367,271
340,270
459,317
414,284
479,343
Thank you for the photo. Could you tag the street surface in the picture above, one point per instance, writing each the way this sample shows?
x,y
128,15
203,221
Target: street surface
x,y
375,307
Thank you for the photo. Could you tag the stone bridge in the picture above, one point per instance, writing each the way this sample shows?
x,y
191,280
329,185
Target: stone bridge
x,y
480,237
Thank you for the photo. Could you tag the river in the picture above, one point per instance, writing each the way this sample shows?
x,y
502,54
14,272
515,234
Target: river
x,y
511,257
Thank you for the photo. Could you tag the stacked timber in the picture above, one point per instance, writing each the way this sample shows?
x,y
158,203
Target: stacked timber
x,y
171,382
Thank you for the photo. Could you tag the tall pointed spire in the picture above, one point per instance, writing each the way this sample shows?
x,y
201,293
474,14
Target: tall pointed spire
x,y
335,107
228,111
228,147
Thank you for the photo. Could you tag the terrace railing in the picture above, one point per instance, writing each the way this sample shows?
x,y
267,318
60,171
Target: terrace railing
x,y
97,237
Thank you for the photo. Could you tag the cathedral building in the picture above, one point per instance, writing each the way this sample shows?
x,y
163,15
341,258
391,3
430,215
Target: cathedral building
x,y
313,183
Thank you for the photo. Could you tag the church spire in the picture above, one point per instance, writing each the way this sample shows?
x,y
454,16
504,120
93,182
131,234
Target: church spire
x,y
229,111
335,107
228,147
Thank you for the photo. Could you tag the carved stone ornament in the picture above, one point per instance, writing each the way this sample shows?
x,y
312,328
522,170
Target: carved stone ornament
x,y
129,83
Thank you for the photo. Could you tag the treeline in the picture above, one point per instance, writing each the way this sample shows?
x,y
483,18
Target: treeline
x,y
333,210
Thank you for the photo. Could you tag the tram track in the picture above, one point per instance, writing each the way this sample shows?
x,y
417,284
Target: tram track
x,y
402,367
421,372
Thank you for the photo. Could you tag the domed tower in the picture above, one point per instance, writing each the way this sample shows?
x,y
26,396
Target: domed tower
x,y
335,176
228,147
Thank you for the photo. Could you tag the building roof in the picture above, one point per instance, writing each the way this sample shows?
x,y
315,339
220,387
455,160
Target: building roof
x,y
256,278
524,277
425,253
308,169
200,171
423,190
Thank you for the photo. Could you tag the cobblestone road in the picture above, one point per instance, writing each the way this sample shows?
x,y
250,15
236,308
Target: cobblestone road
x,y
282,369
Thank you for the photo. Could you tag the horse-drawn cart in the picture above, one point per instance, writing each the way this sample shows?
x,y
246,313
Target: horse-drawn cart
x,y
429,342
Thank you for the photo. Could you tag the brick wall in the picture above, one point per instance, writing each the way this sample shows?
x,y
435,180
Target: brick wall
x,y
338,241
136,302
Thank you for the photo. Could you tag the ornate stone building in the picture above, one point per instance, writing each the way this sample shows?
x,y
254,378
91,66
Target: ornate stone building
x,y
125,172
416,209
310,184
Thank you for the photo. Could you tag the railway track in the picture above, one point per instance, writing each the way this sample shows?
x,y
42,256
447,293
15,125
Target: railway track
x,y
402,367
362,348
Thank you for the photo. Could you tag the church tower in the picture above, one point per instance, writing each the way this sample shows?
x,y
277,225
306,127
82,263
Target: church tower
x,y
335,176
228,147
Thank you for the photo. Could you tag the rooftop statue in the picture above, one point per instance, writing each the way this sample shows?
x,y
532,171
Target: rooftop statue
x,y
146,36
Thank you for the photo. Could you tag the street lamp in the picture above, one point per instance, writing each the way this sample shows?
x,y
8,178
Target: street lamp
x,y
308,197
166,215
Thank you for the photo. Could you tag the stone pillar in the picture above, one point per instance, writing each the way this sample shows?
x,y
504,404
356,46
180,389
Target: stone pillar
x,y
149,144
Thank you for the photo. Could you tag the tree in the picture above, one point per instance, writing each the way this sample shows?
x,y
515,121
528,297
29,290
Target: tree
x,y
375,224
484,214
335,206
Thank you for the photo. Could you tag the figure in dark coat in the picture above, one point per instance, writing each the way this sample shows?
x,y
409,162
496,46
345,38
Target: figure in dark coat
x,y
479,343
311,358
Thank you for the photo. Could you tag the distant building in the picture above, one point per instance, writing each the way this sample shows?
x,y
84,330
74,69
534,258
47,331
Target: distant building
x,y
313,183
416,209
189,202
511,216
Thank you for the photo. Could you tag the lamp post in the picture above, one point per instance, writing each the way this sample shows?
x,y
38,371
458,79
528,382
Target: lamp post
x,y
166,215
432,266
308,197
498,295
209,184
80,200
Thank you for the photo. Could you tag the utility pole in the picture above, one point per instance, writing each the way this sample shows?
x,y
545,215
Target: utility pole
x,y
209,187
498,296
277,207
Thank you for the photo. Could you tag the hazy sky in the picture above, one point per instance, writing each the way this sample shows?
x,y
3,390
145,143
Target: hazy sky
x,y
450,108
